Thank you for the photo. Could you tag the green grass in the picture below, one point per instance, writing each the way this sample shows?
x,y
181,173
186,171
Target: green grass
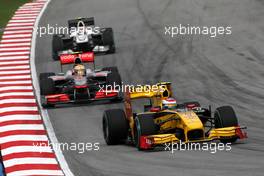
x,y
7,9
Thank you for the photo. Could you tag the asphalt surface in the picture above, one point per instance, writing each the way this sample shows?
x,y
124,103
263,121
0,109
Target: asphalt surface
x,y
227,70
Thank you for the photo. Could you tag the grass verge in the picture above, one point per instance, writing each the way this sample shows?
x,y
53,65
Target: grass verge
x,y
7,9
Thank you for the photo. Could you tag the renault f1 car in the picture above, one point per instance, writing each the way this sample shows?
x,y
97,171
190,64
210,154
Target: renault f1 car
x,y
84,36
79,84
168,123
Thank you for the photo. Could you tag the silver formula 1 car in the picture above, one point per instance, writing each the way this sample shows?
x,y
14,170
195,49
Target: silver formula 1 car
x,y
83,37
79,84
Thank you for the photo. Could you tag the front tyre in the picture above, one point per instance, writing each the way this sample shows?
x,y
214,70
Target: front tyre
x,y
108,40
115,126
144,126
45,75
225,117
57,46
47,86
114,82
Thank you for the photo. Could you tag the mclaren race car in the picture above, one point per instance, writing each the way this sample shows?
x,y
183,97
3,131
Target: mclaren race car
x,y
165,122
79,84
83,36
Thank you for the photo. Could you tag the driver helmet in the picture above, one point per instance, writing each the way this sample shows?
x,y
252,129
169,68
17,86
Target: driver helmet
x,y
81,27
169,103
78,68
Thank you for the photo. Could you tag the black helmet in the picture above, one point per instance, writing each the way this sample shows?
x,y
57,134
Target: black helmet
x,y
78,60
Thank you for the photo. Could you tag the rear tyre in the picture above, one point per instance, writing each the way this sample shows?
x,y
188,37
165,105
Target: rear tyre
x,y
114,82
115,126
108,40
225,117
57,45
114,77
144,126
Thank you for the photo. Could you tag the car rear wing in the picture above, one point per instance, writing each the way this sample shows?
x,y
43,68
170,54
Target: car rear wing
x,y
87,57
86,21
162,90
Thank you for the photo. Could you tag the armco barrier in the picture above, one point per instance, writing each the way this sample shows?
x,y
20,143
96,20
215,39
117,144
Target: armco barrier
x,y
21,125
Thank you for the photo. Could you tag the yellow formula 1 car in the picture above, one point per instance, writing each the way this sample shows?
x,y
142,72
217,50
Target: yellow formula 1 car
x,y
164,121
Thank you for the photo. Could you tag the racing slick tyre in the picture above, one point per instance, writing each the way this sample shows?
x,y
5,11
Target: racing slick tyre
x,y
108,40
114,82
225,116
115,126
46,75
114,77
144,126
47,86
57,45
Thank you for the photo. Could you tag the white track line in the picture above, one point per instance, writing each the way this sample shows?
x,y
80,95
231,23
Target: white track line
x,y
14,49
24,18
18,108
14,67
16,40
14,82
44,113
13,62
36,172
21,20
24,44
17,101
28,160
25,15
19,149
17,94
16,88
15,36
14,77
20,117
17,32
13,57
18,28
21,127
13,53
23,138
19,24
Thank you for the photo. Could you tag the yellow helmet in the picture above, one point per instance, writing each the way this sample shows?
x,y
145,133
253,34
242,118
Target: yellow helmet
x,y
79,70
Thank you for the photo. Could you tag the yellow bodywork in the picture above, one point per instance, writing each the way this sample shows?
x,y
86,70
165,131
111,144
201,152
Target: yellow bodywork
x,y
214,135
223,132
185,120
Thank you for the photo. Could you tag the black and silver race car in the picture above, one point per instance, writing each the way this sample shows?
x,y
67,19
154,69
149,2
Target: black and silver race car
x,y
79,84
83,37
